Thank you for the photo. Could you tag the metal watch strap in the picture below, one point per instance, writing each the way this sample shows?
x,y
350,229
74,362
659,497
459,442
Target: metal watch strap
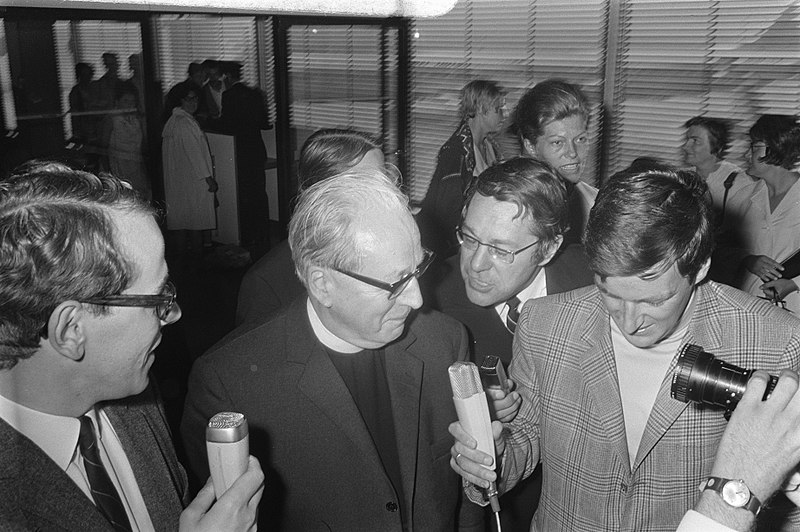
x,y
717,484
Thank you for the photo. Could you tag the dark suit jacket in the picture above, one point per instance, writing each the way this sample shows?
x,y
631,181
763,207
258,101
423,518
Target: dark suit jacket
x,y
488,334
209,104
269,285
322,469
36,494
244,116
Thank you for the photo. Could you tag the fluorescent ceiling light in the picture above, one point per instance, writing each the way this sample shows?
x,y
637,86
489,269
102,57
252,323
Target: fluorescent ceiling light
x,y
368,8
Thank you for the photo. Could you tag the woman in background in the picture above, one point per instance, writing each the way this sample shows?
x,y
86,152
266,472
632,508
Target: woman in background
x,y
771,228
468,152
551,120
271,282
123,131
189,184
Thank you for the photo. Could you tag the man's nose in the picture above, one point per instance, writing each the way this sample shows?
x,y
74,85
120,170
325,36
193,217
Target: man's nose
x,y
411,294
480,259
631,318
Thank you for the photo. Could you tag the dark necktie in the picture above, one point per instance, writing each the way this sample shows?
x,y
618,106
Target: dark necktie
x,y
513,313
103,491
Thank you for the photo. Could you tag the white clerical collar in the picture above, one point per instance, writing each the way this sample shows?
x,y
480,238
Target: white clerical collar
x,y
537,288
326,337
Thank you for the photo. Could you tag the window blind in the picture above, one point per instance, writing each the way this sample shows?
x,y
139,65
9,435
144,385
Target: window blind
x,y
516,43
183,39
335,78
85,41
681,58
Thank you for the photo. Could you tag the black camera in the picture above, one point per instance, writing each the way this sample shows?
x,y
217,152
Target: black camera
x,y
701,378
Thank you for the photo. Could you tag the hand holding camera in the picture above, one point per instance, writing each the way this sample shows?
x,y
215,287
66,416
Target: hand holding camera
x,y
761,444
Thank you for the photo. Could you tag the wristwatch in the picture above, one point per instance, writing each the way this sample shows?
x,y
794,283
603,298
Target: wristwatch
x,y
734,492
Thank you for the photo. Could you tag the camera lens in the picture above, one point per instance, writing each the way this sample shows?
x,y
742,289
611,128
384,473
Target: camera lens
x,y
702,378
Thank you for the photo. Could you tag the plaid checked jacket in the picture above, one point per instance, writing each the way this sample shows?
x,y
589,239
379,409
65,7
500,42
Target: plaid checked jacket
x,y
571,416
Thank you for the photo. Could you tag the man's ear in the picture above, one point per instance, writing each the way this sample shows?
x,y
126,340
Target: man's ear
x,y
703,272
551,250
65,330
320,285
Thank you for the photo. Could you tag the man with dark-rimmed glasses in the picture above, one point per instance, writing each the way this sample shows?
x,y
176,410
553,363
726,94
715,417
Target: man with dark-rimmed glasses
x,y
84,294
512,227
346,390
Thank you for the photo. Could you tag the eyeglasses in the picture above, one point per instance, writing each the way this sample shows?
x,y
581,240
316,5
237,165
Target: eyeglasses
x,y
163,303
503,255
396,288
755,146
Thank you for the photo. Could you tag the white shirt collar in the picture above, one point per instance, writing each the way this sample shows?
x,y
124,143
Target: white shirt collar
x,y
57,436
326,337
537,288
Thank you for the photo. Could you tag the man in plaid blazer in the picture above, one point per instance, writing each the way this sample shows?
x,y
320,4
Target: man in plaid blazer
x,y
594,369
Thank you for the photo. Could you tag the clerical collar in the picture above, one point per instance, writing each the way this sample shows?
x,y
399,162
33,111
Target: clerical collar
x,y
326,337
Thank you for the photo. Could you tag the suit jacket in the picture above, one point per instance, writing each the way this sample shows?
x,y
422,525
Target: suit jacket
x,y
244,116
269,285
36,494
209,104
322,469
571,416
488,334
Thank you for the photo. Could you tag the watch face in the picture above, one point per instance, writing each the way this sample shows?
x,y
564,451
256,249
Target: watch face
x,y
735,493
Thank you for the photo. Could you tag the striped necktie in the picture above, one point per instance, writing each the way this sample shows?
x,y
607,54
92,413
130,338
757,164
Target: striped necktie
x,y
513,313
104,494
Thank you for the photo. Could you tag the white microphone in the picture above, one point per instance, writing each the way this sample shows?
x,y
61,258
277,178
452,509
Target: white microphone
x,y
473,413
228,447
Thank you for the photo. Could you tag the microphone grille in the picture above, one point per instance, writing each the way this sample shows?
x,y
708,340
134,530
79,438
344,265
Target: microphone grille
x,y
227,427
226,420
465,380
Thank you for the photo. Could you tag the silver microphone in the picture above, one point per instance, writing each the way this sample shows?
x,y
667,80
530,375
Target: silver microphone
x,y
473,413
228,447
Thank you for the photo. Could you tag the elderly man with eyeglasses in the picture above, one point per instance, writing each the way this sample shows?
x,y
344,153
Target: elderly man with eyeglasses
x,y
512,227
346,390
84,294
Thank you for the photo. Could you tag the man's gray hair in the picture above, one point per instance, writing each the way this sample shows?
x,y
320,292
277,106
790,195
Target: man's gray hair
x,y
325,223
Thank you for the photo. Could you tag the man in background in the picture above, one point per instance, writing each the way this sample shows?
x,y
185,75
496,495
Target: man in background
x,y
244,115
84,293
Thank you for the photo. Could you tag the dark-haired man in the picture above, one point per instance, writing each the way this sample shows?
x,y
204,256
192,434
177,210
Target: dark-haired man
x,y
512,226
84,294
594,368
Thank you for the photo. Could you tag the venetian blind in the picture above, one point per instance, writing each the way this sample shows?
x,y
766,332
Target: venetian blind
x,y
85,41
183,39
516,43
730,59
336,80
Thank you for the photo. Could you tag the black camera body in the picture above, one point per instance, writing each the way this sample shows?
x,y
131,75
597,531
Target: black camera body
x,y
702,378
